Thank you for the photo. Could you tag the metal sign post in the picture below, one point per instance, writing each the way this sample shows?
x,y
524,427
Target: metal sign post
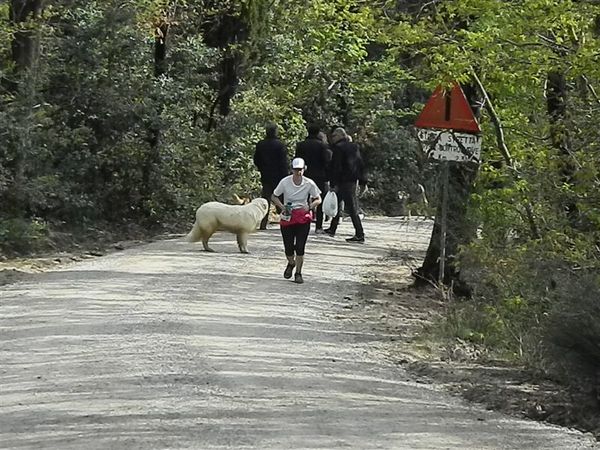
x,y
443,223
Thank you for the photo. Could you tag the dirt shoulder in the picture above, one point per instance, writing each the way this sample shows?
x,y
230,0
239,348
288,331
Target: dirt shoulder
x,y
23,268
66,246
407,316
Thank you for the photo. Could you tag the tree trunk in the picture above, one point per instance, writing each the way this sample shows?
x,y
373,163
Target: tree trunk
x,y
25,54
150,174
222,32
459,230
26,43
228,82
160,49
557,106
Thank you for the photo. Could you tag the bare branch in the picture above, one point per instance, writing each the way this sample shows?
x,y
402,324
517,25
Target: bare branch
x,y
496,121
504,149
590,88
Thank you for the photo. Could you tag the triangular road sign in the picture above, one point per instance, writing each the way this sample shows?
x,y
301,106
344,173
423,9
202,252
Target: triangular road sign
x,y
448,110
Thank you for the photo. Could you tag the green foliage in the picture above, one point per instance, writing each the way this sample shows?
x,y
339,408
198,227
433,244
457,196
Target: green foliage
x,y
395,162
527,241
19,236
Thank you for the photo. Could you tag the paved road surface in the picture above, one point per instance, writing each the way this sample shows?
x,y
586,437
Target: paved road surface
x,y
165,346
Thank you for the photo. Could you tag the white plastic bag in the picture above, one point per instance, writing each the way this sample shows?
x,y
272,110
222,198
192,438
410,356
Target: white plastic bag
x,y
330,204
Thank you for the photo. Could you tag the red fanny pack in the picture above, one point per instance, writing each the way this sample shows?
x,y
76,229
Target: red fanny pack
x,y
299,217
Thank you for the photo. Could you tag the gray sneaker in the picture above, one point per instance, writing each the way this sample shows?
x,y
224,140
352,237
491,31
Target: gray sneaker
x,y
287,273
359,240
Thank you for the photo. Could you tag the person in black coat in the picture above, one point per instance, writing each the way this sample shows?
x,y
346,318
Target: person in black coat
x,y
317,157
271,160
347,170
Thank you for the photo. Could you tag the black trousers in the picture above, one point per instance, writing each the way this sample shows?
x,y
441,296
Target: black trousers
x,y
266,193
346,193
323,185
294,238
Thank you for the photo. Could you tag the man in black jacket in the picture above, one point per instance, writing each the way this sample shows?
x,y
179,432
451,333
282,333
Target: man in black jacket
x,y
271,160
347,169
317,157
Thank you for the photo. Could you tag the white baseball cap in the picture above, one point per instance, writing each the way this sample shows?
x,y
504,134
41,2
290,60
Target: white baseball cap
x,y
298,163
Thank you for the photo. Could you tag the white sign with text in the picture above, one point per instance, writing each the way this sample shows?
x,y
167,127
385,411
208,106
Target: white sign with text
x,y
449,145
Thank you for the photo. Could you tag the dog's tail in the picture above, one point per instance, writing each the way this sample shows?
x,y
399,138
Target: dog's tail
x,y
195,235
240,200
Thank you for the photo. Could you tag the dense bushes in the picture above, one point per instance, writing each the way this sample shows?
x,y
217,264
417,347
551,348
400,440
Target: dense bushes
x,y
94,136
23,236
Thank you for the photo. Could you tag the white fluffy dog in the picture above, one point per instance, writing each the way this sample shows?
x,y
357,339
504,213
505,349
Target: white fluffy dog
x,y
238,219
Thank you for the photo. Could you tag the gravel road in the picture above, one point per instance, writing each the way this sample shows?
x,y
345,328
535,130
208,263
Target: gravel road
x,y
165,346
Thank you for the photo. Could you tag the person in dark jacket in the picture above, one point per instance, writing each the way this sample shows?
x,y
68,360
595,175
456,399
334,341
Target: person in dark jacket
x,y
317,157
271,160
347,170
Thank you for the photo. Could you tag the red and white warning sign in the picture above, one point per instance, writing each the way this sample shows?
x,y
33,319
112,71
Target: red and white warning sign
x,y
447,127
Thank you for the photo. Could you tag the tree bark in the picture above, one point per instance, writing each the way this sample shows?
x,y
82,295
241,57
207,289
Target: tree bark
x,y
459,230
160,49
228,82
25,54
557,106
26,44
221,32
150,175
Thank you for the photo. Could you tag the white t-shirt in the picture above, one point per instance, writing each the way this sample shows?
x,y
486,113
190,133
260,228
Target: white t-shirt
x,y
297,194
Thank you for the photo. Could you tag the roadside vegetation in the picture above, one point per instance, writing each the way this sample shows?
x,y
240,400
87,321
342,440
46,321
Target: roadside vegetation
x,y
126,115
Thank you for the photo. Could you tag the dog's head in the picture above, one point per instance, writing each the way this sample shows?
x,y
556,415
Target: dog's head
x,y
261,203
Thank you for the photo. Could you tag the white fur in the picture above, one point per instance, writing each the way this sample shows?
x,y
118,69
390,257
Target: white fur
x,y
237,219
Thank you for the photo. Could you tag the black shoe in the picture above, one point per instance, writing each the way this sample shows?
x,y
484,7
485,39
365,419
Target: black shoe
x,y
328,232
298,278
360,240
287,273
